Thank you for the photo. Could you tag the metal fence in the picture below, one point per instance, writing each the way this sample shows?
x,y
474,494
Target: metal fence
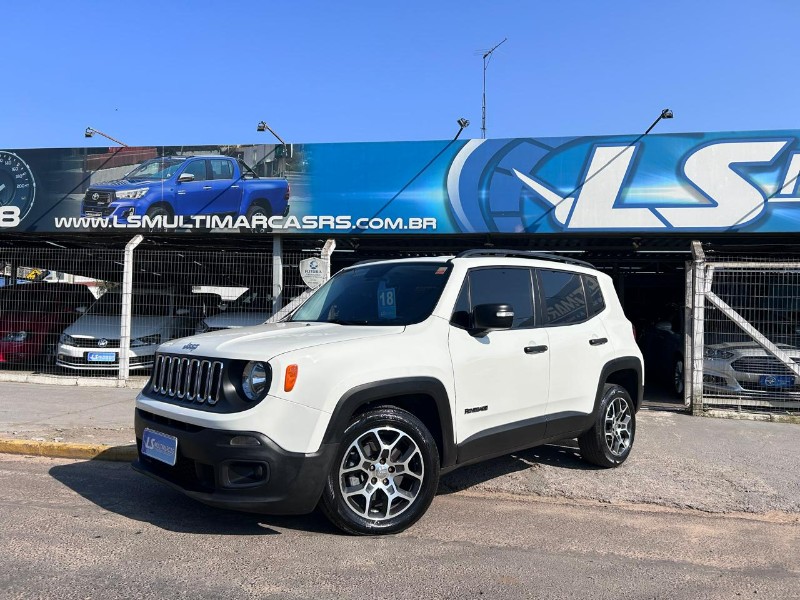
x,y
743,334
101,314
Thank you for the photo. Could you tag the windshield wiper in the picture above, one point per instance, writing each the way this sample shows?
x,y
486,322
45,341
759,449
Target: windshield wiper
x,y
346,322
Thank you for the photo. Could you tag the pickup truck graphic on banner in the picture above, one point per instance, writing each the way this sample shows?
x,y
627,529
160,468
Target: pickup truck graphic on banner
x,y
694,182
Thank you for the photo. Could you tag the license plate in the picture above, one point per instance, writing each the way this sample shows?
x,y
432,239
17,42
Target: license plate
x,y
108,357
160,446
776,381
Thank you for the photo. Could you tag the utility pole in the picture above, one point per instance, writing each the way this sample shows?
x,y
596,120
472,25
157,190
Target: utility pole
x,y
487,56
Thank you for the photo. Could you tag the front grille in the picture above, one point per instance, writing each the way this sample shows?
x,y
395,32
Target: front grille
x,y
98,203
762,365
78,342
191,379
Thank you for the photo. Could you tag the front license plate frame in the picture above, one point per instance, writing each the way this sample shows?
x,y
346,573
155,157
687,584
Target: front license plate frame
x,y
160,446
776,381
101,357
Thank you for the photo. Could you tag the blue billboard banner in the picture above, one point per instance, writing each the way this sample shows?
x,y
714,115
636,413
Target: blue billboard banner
x,y
697,182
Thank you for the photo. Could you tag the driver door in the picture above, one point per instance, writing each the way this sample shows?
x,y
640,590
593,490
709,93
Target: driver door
x,y
501,377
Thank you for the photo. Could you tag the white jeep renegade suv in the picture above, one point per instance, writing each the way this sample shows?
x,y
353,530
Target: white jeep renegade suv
x,y
390,374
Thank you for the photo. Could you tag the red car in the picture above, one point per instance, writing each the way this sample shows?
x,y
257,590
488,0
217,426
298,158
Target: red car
x,y
33,316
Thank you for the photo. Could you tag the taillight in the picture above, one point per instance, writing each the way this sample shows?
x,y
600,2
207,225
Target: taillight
x,y
288,191
634,330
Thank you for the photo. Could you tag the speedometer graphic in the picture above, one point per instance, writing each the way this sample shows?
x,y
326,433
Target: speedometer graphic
x,y
17,186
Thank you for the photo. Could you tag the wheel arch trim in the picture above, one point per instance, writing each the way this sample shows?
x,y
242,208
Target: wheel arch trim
x,y
382,393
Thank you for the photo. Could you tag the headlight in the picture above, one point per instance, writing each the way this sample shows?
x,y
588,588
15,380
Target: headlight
x,y
131,194
202,327
715,353
17,336
67,340
255,380
147,340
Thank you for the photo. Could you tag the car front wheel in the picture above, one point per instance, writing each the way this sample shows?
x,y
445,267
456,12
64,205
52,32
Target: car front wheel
x,y
608,443
385,474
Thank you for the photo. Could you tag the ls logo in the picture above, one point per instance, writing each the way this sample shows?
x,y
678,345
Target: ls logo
x,y
714,187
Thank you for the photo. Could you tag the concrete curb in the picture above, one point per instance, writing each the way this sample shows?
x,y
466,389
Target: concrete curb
x,y
69,450
133,383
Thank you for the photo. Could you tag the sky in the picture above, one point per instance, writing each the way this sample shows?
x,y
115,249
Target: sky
x,y
206,72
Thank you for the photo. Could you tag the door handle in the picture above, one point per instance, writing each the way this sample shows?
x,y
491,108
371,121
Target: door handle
x,y
206,187
234,187
598,341
535,349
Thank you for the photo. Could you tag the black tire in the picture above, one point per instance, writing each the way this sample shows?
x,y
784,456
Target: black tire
x,y
254,210
411,493
677,376
608,443
157,211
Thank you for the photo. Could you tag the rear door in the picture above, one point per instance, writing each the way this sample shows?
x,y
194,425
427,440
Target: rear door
x,y
579,344
226,190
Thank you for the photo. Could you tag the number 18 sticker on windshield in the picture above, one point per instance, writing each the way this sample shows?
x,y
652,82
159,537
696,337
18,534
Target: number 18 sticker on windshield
x,y
387,307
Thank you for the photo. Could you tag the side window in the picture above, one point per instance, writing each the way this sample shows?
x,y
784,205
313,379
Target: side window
x,y
594,295
221,168
198,169
506,286
564,300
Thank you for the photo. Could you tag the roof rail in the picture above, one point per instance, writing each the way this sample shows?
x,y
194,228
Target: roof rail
x,y
524,254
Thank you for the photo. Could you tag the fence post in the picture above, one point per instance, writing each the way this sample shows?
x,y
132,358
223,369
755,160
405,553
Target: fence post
x,y
688,370
127,302
325,255
277,273
698,316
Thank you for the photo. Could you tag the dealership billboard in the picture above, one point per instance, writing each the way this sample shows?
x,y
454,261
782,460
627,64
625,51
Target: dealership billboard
x,y
696,182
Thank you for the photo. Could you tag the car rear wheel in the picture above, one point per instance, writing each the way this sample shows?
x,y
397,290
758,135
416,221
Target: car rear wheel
x,y
385,474
257,210
608,443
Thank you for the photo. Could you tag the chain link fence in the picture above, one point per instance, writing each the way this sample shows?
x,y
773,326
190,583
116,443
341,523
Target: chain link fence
x,y
744,334
100,315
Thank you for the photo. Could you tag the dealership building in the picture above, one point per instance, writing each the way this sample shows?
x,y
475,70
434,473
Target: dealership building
x,y
630,205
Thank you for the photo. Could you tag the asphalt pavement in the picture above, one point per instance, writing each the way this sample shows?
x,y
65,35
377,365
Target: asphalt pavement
x,y
96,529
678,460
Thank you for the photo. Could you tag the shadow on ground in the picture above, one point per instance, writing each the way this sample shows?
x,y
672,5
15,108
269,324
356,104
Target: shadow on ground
x,y
116,487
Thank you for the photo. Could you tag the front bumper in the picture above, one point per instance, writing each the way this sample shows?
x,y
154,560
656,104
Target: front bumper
x,y
79,359
210,470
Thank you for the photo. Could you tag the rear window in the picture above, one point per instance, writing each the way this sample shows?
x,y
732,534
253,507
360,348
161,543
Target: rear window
x,y
564,298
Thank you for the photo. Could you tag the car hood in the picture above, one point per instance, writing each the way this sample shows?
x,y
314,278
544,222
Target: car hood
x,y
237,318
270,340
99,326
22,321
123,184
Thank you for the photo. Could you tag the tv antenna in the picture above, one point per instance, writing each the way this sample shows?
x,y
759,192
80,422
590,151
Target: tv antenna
x,y
487,57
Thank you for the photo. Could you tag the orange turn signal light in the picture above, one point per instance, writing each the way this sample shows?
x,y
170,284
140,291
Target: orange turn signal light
x,y
290,379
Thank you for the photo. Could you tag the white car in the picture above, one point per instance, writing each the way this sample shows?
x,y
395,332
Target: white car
x,y
745,368
253,307
389,374
93,341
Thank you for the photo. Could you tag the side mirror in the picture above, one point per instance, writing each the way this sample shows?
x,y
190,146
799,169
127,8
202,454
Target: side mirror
x,y
185,177
492,317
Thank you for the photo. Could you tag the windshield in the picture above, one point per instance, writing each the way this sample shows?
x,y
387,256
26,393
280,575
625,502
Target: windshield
x,y
379,294
143,305
156,168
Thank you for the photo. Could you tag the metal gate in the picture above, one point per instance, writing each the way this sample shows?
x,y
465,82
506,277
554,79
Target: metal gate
x,y
742,334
